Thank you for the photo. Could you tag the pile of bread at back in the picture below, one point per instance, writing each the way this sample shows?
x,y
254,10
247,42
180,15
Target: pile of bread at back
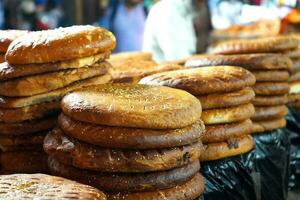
x,y
40,68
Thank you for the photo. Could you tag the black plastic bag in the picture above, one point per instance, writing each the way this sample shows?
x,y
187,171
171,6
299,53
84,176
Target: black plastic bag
x,y
229,178
293,128
272,153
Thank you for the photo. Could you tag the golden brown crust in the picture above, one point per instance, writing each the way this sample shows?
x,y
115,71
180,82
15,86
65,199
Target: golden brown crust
x,y
124,182
269,100
7,36
132,138
128,105
268,125
248,61
23,162
38,84
233,147
294,98
27,127
224,132
293,53
271,88
56,95
131,71
204,80
295,88
187,191
225,100
41,186
269,112
261,45
91,157
8,71
271,75
33,112
295,77
227,115
132,55
60,44
295,104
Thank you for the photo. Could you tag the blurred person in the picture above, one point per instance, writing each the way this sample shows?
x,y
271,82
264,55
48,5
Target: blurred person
x,y
27,19
51,16
126,19
176,29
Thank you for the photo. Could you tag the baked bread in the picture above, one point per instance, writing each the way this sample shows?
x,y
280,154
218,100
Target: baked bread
x,y
294,97
86,156
293,53
2,58
130,138
7,36
8,71
270,100
22,140
131,71
138,106
187,191
38,84
33,112
227,115
260,45
126,182
225,100
132,55
295,104
295,77
28,127
204,80
233,147
269,112
248,61
69,43
268,125
271,75
224,132
271,88
23,162
41,186
55,95
294,88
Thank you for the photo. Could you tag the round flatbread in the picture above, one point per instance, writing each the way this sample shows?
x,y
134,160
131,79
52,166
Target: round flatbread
x,y
260,45
247,61
225,100
233,147
124,182
225,132
227,115
187,191
130,138
86,156
271,75
204,80
128,105
269,100
271,88
60,44
268,125
269,112
41,186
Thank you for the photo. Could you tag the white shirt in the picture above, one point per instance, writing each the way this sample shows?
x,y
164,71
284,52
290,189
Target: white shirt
x,y
169,31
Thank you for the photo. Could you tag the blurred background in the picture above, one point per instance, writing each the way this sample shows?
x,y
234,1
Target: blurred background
x,y
212,20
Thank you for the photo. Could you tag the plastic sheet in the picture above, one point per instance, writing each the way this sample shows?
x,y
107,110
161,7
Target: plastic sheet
x,y
271,161
230,178
293,128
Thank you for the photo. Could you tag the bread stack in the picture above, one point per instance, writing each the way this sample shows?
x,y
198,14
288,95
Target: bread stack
x,y
225,96
131,141
41,67
271,72
6,37
41,186
130,67
294,94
